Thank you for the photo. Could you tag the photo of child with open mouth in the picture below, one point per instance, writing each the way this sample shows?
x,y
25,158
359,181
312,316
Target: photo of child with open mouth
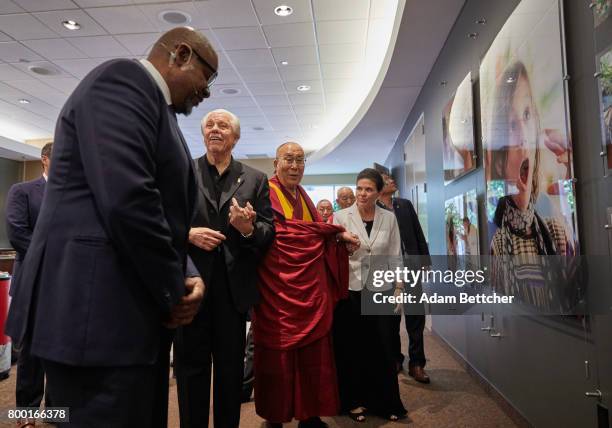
x,y
514,157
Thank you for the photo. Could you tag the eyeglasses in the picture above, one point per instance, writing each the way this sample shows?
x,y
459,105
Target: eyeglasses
x,y
291,161
211,79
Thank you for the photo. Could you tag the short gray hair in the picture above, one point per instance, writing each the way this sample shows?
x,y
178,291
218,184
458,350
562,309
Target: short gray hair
x,y
234,121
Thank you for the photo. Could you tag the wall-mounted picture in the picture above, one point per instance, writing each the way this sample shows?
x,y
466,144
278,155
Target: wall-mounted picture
x,y
461,213
601,11
458,132
531,206
605,93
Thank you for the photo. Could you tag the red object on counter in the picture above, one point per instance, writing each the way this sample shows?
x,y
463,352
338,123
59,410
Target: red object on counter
x,y
4,303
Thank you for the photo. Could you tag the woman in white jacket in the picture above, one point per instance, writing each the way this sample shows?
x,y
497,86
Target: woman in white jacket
x,y
365,361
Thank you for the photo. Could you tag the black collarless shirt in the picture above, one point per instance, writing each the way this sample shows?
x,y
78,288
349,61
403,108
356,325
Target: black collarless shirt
x,y
219,180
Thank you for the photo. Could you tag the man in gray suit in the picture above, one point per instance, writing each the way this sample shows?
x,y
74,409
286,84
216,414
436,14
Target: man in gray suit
x,y
107,269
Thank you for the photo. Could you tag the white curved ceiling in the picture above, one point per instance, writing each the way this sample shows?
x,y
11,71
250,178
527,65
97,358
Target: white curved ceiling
x,y
423,32
337,47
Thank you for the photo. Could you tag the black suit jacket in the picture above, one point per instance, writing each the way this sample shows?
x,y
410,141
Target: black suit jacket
x,y
22,206
413,239
108,254
241,254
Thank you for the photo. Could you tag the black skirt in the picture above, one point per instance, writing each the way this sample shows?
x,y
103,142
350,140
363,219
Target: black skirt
x,y
365,361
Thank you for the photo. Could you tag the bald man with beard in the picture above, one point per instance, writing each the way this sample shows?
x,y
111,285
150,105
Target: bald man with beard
x,y
302,277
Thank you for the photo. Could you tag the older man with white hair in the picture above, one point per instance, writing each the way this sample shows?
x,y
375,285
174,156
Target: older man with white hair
x,y
232,229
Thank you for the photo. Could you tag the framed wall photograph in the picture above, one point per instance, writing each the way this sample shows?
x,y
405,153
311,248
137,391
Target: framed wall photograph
x,y
461,230
458,132
530,204
601,11
605,102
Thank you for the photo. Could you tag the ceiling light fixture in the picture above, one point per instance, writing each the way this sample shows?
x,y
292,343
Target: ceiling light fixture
x,y
283,10
481,21
24,101
284,62
303,88
43,70
174,17
71,25
473,36
230,91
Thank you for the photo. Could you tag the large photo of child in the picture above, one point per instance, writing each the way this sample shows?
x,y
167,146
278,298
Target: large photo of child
x,y
531,207
527,151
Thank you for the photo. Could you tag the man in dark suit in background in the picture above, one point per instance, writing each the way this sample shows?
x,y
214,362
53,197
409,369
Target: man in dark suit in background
x,y
232,229
107,268
22,207
413,244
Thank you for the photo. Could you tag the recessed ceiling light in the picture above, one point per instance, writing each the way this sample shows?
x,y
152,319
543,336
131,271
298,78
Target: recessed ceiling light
x,y
43,71
473,36
283,10
284,62
71,25
174,17
24,101
481,21
303,88
230,91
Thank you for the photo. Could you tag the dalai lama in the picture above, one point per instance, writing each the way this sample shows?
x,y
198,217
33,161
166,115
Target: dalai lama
x,y
303,275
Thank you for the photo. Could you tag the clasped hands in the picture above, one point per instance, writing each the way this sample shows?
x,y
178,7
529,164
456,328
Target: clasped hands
x,y
241,218
183,313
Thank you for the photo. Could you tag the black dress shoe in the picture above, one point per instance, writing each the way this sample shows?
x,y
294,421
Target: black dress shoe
x,y
246,395
315,422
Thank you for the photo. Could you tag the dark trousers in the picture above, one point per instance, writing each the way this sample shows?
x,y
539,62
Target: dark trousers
x,y
215,337
249,373
415,324
30,384
113,396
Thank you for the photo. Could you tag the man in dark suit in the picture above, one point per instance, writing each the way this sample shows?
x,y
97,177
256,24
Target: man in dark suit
x,y
413,244
232,229
22,208
107,269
